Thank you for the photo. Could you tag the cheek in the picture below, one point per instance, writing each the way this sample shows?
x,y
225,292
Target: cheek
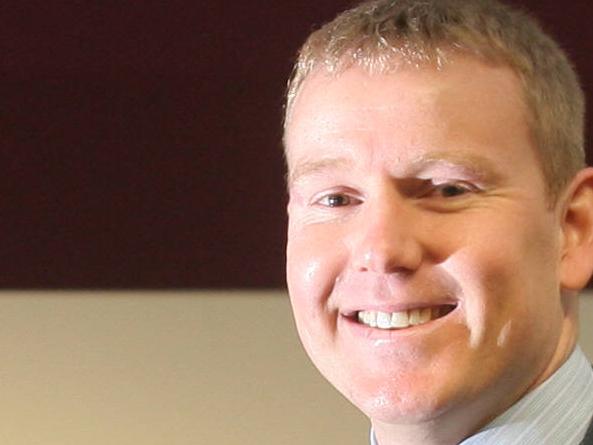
x,y
313,262
312,267
507,283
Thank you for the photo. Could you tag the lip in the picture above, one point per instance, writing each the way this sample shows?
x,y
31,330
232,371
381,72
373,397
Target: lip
x,y
350,325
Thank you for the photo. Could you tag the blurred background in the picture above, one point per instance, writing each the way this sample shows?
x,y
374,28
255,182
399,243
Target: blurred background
x,y
142,180
141,141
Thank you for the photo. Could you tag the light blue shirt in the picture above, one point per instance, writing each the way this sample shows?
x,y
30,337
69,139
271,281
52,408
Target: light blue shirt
x,y
557,412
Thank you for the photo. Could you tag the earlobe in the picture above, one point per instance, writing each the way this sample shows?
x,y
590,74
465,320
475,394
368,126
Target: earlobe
x,y
576,264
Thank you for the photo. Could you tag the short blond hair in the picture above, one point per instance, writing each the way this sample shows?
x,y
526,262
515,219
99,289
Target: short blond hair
x,y
382,35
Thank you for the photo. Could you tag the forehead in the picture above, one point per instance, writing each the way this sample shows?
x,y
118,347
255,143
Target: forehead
x,y
464,102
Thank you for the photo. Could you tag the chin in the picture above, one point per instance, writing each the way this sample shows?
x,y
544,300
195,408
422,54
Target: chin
x,y
399,398
412,408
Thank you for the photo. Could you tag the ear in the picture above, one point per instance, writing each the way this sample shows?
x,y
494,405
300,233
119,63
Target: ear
x,y
576,264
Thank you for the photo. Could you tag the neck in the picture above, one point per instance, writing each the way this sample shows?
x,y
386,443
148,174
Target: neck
x,y
449,429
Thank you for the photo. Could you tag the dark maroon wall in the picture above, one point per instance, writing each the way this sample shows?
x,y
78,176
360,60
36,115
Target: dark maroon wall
x,y
140,141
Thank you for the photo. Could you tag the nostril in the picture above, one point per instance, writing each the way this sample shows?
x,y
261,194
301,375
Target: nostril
x,y
384,256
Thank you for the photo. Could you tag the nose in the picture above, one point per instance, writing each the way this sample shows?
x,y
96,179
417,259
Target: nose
x,y
386,238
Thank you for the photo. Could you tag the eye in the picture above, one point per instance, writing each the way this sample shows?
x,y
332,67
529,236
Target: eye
x,y
451,189
337,200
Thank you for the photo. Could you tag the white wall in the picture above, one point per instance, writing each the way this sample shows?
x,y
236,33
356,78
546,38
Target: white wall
x,y
166,368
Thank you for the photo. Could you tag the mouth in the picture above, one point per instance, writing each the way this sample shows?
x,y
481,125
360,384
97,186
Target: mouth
x,y
401,319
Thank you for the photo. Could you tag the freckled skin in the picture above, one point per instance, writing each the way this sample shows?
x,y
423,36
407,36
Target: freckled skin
x,y
379,228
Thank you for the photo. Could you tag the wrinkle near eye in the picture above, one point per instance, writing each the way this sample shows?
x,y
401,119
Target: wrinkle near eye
x,y
324,215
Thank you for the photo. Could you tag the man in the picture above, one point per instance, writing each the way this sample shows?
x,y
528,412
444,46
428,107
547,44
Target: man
x,y
441,222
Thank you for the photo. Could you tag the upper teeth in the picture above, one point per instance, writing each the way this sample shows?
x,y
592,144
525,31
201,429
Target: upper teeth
x,y
390,320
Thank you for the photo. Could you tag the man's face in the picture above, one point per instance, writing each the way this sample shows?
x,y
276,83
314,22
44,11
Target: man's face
x,y
423,255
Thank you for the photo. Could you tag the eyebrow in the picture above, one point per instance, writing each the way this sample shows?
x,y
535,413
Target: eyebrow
x,y
308,168
475,164
478,165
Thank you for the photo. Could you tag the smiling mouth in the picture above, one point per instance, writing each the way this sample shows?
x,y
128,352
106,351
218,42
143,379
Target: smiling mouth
x,y
403,319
